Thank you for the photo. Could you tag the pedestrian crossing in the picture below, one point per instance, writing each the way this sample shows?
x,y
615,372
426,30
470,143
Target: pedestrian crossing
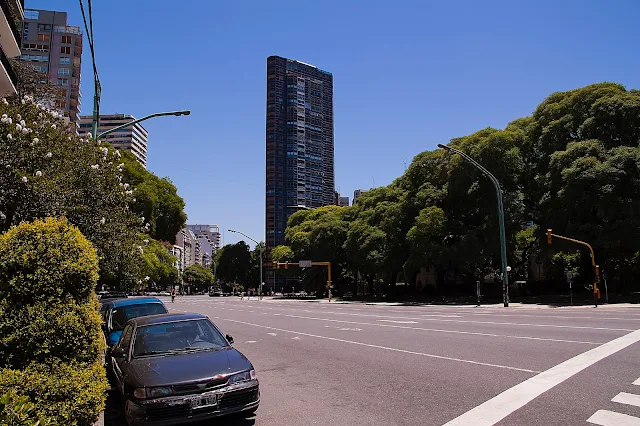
x,y
613,418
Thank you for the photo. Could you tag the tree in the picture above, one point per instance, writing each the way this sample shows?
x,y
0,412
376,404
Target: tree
x,y
36,84
234,263
159,265
47,171
198,276
155,199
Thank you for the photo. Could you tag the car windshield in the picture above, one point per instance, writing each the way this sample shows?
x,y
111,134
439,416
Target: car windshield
x,y
121,314
175,337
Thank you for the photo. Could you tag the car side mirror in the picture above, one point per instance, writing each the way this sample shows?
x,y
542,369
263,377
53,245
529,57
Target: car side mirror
x,y
118,353
229,339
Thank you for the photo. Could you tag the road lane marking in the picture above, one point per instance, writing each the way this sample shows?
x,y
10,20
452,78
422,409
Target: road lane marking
x,y
400,322
627,398
446,358
272,334
500,406
637,382
437,330
295,338
611,418
250,341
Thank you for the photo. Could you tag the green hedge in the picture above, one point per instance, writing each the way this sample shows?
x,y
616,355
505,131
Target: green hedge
x,y
63,394
50,336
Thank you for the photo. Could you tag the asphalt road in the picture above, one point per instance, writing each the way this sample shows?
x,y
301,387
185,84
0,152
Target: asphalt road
x,y
358,364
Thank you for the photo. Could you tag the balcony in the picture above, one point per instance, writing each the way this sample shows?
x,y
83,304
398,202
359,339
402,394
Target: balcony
x,y
8,77
10,24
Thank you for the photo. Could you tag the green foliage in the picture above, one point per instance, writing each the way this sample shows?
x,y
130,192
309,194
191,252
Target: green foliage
x,y
234,263
48,172
50,337
156,199
62,394
563,263
19,411
159,265
198,276
573,166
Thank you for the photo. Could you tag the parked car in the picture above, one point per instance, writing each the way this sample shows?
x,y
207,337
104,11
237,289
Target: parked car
x,y
216,293
117,312
179,368
113,295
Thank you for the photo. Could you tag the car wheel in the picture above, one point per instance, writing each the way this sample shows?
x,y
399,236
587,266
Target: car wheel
x,y
127,414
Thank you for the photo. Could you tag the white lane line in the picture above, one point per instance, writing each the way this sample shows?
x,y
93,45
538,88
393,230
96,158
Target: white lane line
x,y
400,322
637,382
506,367
500,406
272,334
250,341
627,398
437,330
295,338
611,418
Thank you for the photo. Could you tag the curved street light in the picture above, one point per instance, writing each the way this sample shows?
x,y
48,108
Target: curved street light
x,y
260,248
131,123
503,244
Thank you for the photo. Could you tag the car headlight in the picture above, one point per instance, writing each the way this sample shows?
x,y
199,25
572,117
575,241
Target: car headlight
x,y
242,377
159,392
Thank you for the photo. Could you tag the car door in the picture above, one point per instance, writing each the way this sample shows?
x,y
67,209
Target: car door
x,y
119,365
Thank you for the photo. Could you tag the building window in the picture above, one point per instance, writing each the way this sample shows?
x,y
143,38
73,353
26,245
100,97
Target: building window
x,y
65,60
44,37
43,27
63,71
31,14
39,58
33,46
63,82
40,68
66,39
65,50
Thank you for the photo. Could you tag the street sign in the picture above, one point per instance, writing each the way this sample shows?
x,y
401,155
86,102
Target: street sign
x,y
305,263
569,276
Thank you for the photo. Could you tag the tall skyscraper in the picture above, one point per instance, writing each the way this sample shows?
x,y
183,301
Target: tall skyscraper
x,y
13,12
133,138
55,49
299,139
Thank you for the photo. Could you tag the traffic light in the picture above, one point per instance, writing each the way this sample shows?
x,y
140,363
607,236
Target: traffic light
x,y
598,274
549,236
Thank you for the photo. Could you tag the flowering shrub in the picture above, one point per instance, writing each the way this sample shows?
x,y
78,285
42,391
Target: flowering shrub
x,y
47,171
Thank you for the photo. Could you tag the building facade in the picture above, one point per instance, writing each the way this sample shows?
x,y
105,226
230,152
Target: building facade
x,y
133,138
12,14
299,143
357,193
211,232
343,201
54,48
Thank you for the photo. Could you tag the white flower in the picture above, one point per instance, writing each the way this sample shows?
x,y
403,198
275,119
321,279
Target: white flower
x,y
19,117
25,130
95,166
22,102
103,221
146,241
121,164
128,192
118,153
4,101
18,127
142,219
53,126
134,200
38,173
147,225
99,142
9,136
141,250
36,140
49,155
147,278
24,179
126,185
4,115
104,150
9,120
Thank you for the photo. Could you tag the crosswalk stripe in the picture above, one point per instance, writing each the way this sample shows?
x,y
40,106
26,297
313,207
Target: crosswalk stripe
x,y
627,398
611,418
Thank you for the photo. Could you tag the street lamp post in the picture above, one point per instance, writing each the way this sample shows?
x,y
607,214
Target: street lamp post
x,y
131,123
260,248
503,244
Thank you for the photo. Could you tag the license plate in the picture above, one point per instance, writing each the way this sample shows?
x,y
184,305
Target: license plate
x,y
205,401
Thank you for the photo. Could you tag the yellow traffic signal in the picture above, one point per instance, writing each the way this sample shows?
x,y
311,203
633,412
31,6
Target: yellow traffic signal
x,y
598,274
549,236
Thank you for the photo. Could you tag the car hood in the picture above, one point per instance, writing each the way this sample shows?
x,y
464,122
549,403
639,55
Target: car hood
x,y
114,337
187,367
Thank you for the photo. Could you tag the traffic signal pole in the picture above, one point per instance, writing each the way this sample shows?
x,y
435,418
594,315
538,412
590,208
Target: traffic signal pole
x,y
596,268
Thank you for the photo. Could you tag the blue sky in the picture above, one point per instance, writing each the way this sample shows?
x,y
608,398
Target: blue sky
x,y
407,76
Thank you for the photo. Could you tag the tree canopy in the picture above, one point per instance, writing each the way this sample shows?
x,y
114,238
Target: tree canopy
x,y
573,166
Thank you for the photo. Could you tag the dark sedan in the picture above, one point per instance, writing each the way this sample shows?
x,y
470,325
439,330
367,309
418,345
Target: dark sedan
x,y
179,368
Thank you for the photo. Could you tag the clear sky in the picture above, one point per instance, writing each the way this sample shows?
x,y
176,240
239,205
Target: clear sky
x,y
407,76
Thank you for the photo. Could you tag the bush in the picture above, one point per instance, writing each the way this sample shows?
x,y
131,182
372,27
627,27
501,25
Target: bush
x,y
50,337
61,329
63,394
18,411
47,259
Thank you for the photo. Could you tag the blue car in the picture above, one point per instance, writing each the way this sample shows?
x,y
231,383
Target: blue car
x,y
118,312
